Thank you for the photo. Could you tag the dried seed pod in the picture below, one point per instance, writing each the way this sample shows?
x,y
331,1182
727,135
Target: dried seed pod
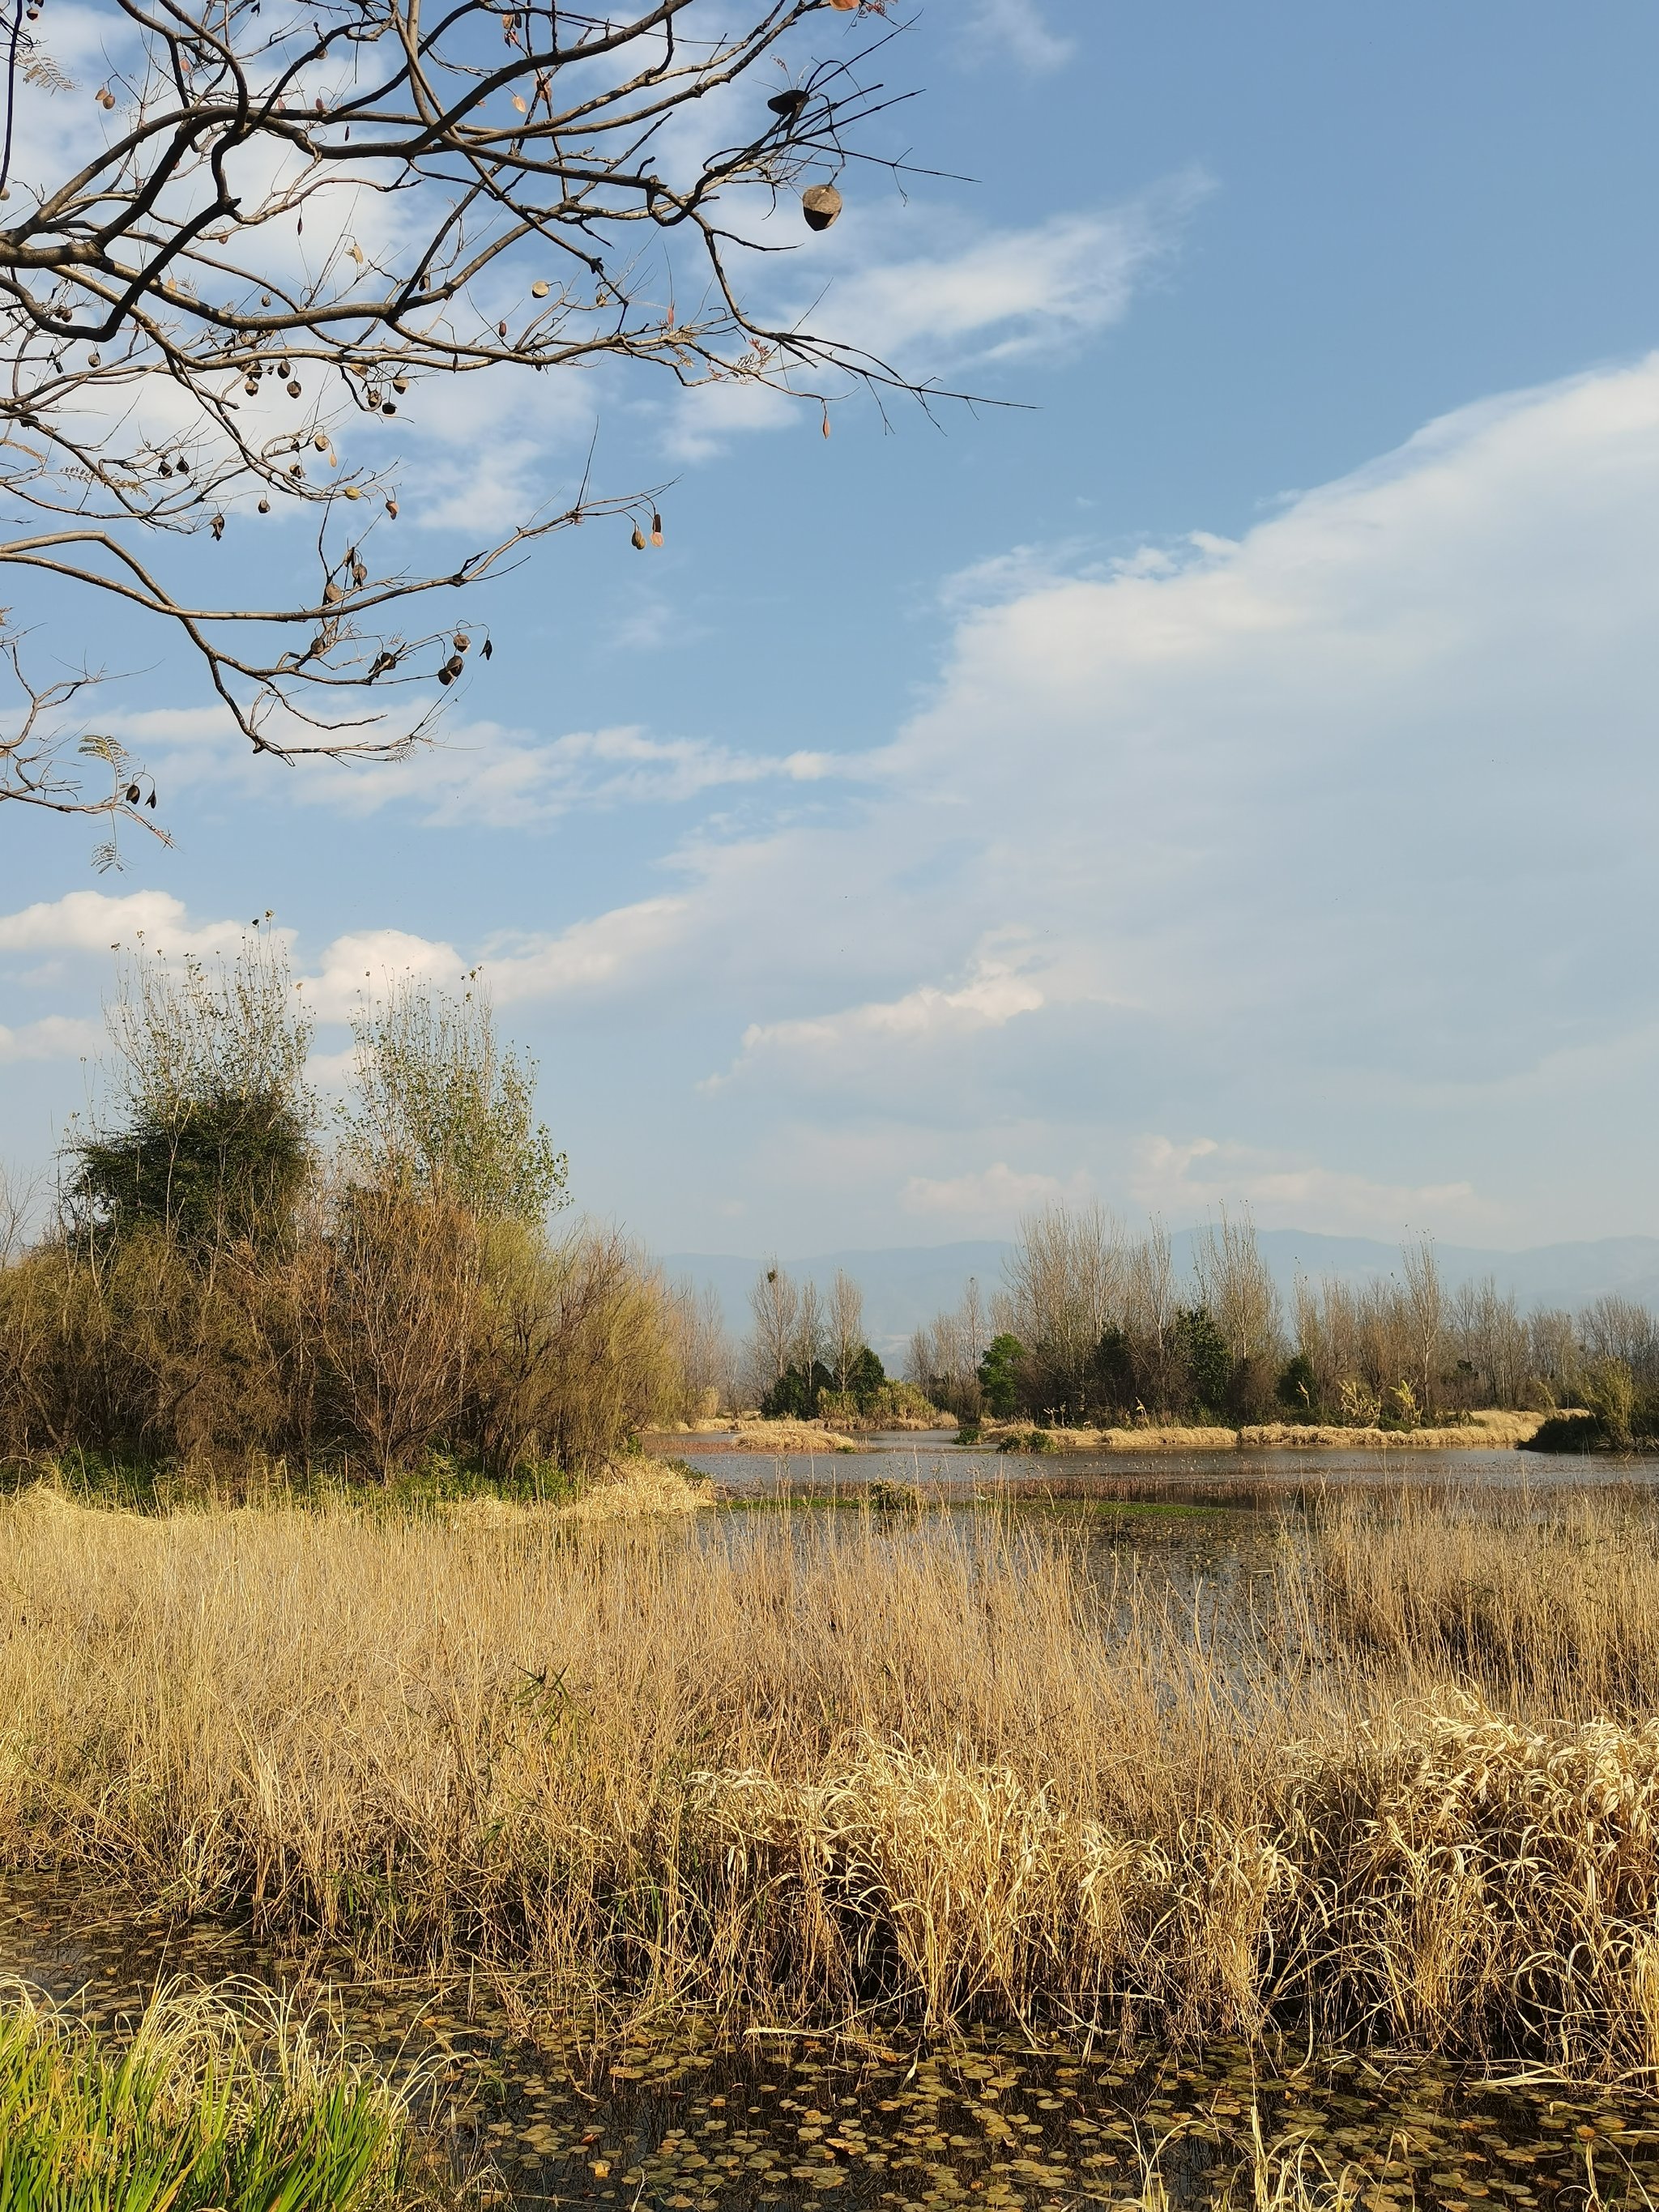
x,y
320,442
388,407
638,539
251,389
400,383
264,506
444,676
132,794
294,388
391,509
656,530
787,103
455,663
488,648
462,641
538,290
820,204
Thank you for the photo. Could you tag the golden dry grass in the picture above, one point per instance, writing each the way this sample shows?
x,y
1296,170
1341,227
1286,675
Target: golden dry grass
x,y
804,1769
1483,1432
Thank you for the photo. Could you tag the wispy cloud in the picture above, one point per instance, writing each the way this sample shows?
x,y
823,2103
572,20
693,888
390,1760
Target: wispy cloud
x,y
997,989
1189,1179
484,772
989,1198
999,31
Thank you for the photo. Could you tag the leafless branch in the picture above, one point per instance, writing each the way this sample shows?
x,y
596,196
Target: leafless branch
x,y
278,221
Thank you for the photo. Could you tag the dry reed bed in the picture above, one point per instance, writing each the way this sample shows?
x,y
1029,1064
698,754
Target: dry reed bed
x,y
801,1771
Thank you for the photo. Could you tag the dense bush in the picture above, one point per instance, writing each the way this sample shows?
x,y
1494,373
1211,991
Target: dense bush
x,y
217,1286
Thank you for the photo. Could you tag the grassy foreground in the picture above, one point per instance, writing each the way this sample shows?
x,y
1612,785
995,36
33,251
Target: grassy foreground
x,y
1399,1785
207,2103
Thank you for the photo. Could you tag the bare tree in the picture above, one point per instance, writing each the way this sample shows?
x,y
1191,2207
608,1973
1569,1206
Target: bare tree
x,y
944,1355
1234,1283
227,262
774,1301
1065,1286
703,1344
1427,1308
1613,1326
845,1328
809,1343
18,1203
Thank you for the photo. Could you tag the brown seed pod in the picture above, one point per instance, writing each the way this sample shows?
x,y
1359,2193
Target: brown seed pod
x,y
787,103
388,407
455,665
252,388
444,676
264,506
391,509
294,388
638,539
462,641
820,204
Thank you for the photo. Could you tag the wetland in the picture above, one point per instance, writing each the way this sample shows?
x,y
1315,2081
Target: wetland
x,y
927,1832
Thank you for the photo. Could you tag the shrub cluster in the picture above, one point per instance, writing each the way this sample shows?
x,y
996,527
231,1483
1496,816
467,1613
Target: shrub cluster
x,y
222,1280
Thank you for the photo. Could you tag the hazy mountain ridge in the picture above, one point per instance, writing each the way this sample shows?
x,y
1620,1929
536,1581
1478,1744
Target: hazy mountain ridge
x,y
906,1285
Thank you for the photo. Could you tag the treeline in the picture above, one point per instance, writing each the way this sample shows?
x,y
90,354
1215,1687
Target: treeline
x,y
806,1359
1095,1326
229,1270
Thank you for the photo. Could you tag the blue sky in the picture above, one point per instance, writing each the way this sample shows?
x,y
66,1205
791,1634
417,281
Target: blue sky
x,y
1227,775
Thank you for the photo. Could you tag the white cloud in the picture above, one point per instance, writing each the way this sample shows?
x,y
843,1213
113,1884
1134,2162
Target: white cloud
x,y
97,922
55,1037
1333,839
609,949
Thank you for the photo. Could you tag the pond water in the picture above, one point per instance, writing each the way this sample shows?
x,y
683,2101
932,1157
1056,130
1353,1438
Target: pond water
x,y
779,2123
933,1464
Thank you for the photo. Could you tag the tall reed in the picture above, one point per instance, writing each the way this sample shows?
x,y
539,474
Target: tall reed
x,y
804,1769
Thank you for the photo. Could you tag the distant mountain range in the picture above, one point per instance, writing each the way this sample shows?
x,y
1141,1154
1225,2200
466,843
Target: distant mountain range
x,y
906,1285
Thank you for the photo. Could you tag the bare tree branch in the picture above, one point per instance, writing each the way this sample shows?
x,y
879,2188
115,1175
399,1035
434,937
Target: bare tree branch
x,y
284,219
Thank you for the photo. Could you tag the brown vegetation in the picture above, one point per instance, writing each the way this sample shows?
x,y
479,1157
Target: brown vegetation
x,y
218,1283
1401,1783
